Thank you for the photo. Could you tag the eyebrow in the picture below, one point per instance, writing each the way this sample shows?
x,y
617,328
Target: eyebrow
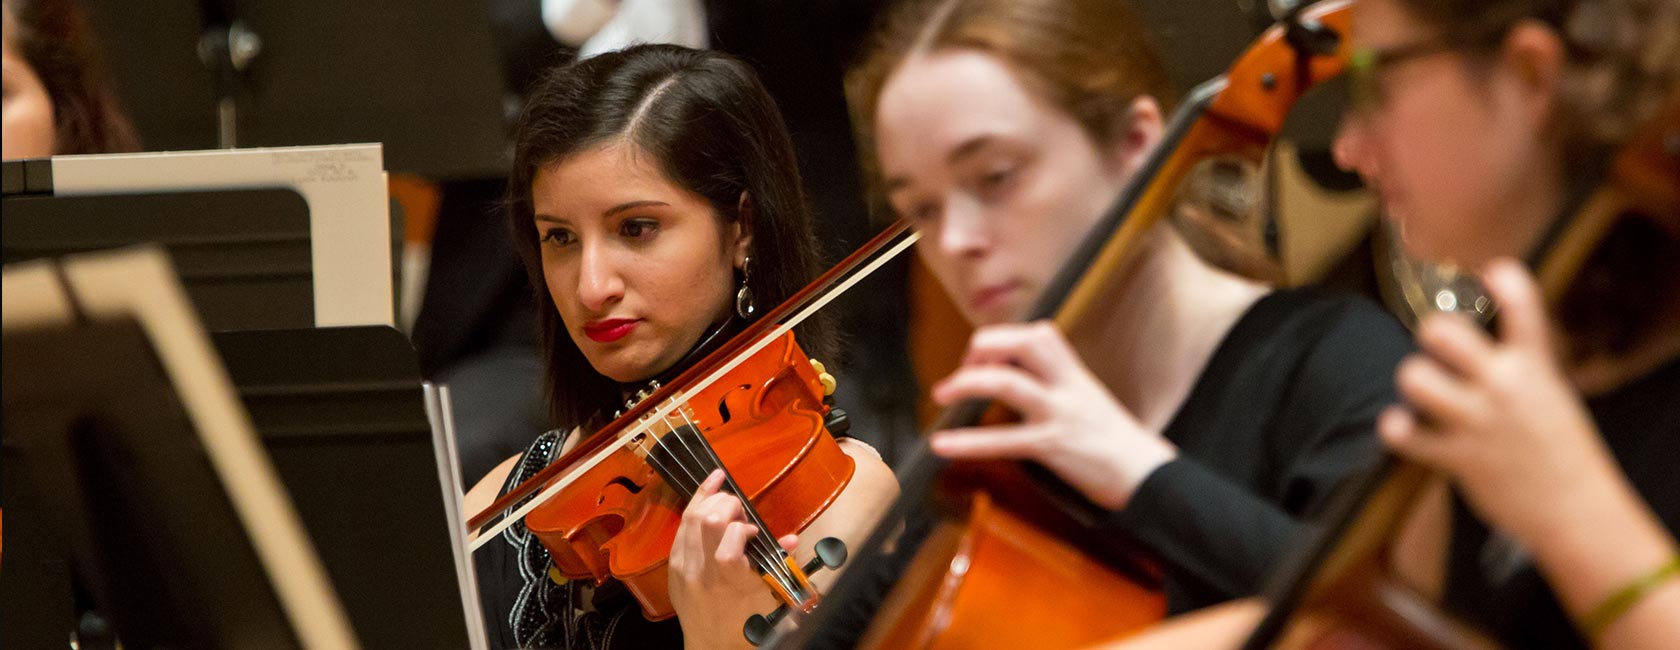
x,y
967,149
631,205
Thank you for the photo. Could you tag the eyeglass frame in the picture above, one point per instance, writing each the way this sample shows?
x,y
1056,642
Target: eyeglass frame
x,y
1366,65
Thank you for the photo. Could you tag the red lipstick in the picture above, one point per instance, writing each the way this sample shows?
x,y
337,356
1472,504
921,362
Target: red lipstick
x,y
612,329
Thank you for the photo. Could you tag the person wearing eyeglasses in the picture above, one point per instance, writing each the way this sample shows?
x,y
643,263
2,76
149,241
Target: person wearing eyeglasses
x,y
1483,124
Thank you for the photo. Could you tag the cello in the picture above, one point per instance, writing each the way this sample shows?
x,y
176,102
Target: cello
x,y
972,549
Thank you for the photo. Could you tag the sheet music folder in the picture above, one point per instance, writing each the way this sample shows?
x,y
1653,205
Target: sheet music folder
x,y
243,255
352,241
131,467
342,414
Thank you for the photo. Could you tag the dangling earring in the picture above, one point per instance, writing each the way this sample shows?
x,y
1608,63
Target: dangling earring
x,y
744,299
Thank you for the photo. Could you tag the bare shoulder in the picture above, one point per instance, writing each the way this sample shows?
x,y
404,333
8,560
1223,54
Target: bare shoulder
x,y
872,477
484,492
853,514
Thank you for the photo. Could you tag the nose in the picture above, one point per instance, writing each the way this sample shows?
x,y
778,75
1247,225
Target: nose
x,y
963,231
599,283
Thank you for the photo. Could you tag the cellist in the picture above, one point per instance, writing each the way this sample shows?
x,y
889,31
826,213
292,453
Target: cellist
x,y
1482,124
655,201
1206,411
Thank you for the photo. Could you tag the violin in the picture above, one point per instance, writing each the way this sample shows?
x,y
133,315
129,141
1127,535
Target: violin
x,y
1340,585
768,417
999,553
758,409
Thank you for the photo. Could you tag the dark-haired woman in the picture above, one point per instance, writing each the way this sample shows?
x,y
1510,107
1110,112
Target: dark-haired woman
x,y
57,100
655,202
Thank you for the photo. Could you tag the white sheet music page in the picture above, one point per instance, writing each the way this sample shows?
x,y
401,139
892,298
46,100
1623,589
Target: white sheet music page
x,y
345,186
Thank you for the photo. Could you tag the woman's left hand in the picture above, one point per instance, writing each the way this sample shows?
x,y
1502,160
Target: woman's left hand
x,y
1071,424
712,584
1499,415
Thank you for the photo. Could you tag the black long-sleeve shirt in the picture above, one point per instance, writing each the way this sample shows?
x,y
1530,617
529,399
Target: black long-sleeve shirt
x,y
1285,408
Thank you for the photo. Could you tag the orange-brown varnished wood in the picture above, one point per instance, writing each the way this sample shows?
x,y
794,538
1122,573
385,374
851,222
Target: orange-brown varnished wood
x,y
999,571
1001,582
765,422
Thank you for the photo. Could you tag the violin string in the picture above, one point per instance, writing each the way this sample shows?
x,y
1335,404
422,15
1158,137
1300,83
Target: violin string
x,y
693,486
770,562
676,478
768,548
764,537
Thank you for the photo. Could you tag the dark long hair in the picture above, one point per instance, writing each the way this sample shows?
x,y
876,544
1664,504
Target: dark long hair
x,y
712,129
54,38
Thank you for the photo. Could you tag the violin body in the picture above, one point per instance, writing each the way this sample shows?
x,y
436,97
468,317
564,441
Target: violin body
x,y
764,420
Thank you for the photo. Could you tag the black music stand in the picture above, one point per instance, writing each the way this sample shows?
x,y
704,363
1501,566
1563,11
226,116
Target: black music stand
x,y
108,484
342,414
243,255
111,482
420,76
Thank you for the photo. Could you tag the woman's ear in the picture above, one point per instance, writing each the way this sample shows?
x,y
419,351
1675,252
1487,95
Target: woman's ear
x,y
1531,73
741,230
1139,133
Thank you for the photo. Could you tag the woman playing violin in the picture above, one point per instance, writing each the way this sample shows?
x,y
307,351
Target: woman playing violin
x,y
1482,124
1217,410
655,200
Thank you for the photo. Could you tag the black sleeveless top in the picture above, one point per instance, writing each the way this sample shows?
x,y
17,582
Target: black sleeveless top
x,y
525,608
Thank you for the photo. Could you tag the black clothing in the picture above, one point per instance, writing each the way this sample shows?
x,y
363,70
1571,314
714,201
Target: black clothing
x,y
1285,408
524,608
1498,589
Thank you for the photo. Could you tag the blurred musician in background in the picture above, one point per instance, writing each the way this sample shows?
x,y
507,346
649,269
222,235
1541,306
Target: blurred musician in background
x,y
1217,410
1483,125
57,99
